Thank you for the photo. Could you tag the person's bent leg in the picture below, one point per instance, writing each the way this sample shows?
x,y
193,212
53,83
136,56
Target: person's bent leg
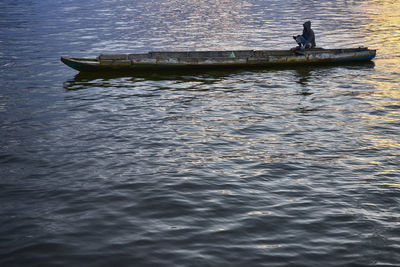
x,y
301,41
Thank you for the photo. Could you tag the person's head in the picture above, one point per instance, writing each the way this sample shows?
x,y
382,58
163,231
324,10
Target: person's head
x,y
307,25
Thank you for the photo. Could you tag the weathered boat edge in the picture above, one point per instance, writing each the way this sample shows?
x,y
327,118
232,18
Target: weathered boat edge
x,y
157,61
81,64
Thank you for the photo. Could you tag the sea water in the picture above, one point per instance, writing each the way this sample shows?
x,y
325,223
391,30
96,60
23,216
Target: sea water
x,y
269,167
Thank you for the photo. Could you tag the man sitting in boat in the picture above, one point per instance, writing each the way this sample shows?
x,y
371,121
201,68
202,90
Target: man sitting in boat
x,y
307,39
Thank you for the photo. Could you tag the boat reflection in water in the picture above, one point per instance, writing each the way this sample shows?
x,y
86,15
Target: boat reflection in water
x,y
87,80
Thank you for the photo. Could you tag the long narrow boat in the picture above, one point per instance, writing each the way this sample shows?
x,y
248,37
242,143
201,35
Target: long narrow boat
x,y
156,61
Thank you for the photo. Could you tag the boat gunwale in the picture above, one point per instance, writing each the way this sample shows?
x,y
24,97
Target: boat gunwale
x,y
228,53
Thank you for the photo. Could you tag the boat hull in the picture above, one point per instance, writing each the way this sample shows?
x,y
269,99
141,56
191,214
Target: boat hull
x,y
158,61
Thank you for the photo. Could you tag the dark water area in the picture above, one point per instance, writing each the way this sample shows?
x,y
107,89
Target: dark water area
x,y
269,167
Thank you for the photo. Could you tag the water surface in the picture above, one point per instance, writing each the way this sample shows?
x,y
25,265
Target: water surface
x,y
275,167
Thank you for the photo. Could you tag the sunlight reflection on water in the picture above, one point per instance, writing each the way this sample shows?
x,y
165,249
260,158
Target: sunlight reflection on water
x,y
270,167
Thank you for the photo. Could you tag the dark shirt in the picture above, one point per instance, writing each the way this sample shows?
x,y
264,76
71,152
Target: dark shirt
x,y
308,33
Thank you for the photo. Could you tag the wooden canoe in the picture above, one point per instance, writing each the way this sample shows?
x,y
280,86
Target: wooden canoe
x,y
156,61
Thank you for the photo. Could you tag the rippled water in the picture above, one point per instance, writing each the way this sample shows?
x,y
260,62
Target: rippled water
x,y
281,167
